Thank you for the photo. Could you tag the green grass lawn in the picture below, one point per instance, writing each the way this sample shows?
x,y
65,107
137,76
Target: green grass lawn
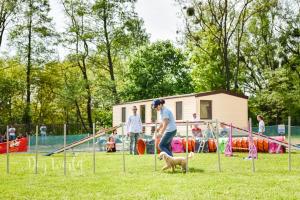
x,y
236,181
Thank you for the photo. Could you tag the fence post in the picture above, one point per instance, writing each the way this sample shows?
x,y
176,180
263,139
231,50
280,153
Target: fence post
x,y
123,146
218,149
29,144
250,132
94,154
155,145
187,146
65,153
7,150
36,149
289,147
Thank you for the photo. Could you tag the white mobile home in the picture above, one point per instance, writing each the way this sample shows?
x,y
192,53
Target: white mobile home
x,y
218,105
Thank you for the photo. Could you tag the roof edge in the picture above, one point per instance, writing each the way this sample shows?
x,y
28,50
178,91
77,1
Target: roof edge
x,y
220,92
188,95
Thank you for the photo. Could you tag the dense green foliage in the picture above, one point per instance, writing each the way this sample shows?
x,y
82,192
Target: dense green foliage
x,y
250,47
157,70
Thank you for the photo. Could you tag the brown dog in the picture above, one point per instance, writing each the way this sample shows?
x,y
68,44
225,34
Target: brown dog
x,y
172,162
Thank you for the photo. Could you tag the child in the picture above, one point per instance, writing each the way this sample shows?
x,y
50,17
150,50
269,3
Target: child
x,y
261,124
196,130
111,144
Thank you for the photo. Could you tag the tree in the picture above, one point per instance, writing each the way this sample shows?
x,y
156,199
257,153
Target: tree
x,y
119,32
31,36
80,33
218,20
156,70
223,24
12,82
275,63
7,11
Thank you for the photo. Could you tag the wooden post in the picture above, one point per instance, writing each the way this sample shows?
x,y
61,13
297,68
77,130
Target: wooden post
x,y
123,146
94,149
289,147
187,146
218,149
7,150
65,152
36,149
252,157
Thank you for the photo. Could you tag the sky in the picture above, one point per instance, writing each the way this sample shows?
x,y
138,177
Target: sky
x,y
160,19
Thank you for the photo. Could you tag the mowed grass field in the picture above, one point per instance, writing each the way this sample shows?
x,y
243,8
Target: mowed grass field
x,y
236,181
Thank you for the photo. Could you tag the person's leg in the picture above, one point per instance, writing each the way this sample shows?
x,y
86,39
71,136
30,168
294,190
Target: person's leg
x,y
136,137
173,133
43,139
165,142
131,143
11,137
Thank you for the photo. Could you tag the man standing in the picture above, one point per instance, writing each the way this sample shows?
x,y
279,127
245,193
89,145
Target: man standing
x,y
196,130
134,128
43,130
12,132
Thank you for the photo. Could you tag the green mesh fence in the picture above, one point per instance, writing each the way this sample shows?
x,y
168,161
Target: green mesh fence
x,y
273,130
51,143
54,138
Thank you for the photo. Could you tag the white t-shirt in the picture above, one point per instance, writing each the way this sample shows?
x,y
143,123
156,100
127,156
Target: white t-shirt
x,y
12,131
43,130
195,124
134,124
261,126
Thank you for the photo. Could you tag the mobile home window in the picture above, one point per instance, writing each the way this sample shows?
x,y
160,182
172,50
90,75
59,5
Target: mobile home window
x,y
153,115
205,109
123,114
143,113
179,110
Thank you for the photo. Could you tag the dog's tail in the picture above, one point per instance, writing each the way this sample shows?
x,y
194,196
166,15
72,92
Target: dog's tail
x,y
191,154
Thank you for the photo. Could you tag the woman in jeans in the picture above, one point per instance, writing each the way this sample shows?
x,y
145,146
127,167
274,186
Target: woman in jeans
x,y
167,128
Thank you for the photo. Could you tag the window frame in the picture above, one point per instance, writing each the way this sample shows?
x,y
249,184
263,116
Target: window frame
x,y
153,115
209,114
179,116
123,114
143,115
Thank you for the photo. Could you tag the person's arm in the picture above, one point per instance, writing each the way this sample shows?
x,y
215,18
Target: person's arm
x,y
128,125
140,125
164,123
261,127
160,127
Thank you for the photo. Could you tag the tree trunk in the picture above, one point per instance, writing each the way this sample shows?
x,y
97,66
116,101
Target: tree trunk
x,y
109,58
225,41
79,115
2,21
89,96
27,115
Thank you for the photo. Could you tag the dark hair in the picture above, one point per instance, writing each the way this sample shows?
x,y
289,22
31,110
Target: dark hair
x,y
261,117
162,101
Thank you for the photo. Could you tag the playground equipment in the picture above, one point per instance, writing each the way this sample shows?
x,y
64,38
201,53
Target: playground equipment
x,y
265,139
86,139
273,143
177,145
141,146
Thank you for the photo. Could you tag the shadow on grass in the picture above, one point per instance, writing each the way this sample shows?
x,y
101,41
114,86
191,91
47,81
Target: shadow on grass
x,y
191,170
195,170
